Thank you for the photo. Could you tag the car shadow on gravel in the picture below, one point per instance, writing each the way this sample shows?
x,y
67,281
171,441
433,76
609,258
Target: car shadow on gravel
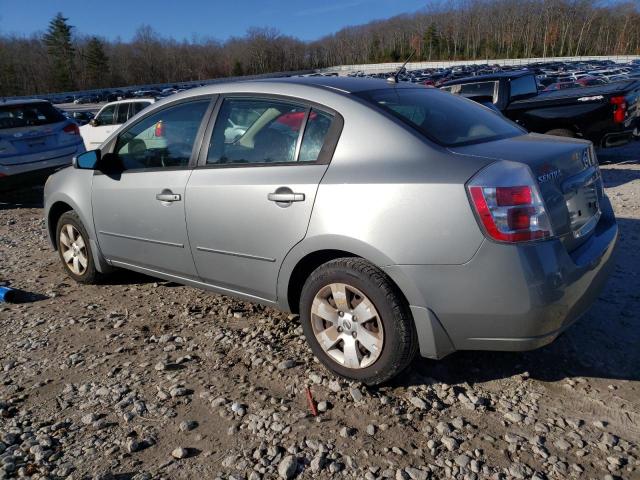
x,y
620,176
624,154
602,344
31,197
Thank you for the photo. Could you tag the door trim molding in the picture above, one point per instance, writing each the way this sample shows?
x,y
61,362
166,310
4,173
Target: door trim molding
x,y
194,283
236,254
141,239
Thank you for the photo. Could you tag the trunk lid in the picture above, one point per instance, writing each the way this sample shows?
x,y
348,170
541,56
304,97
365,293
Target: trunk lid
x,y
567,174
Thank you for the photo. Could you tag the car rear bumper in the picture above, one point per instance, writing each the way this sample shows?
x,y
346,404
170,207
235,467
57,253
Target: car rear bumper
x,y
28,173
507,297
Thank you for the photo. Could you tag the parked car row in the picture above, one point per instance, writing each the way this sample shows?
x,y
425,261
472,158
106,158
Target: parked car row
x,y
550,76
606,110
112,95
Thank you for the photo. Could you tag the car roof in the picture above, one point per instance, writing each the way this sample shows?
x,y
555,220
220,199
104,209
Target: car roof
x,y
343,84
129,100
301,87
22,101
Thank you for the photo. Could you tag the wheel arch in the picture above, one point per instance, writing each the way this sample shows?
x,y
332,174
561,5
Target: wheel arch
x,y
55,207
309,254
53,215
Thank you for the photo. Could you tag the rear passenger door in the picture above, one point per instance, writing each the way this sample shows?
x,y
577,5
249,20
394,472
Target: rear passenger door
x,y
249,200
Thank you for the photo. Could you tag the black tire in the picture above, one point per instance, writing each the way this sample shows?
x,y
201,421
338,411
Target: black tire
x,y
561,132
400,342
90,275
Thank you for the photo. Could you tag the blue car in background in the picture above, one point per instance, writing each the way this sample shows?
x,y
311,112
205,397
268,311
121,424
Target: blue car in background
x,y
35,140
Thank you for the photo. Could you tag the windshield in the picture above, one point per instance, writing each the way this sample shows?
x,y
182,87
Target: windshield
x,y
28,115
442,117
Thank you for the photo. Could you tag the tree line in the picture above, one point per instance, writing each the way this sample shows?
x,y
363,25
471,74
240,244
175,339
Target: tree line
x,y
63,59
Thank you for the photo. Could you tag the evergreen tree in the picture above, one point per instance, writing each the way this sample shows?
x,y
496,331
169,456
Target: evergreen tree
x,y
97,63
431,43
60,49
237,71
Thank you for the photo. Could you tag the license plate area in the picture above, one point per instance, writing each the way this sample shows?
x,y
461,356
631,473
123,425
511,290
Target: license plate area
x,y
584,209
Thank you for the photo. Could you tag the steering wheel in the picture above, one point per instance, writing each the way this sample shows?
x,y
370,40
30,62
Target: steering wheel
x,y
175,154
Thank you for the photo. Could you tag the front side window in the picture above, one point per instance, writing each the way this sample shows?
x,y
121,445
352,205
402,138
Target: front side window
x,y
443,118
162,140
106,115
256,131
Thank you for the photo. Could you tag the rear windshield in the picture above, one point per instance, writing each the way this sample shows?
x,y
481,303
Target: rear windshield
x,y
28,115
442,117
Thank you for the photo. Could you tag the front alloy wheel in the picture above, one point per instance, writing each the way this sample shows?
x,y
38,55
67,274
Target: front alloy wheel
x,y
73,249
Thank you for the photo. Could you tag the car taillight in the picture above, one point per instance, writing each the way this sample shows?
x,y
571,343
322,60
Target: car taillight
x,y
508,203
159,131
619,109
71,129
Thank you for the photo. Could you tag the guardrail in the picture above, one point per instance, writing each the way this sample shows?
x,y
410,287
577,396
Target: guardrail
x,y
389,67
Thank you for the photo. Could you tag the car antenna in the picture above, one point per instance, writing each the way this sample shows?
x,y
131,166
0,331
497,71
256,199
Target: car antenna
x,y
394,77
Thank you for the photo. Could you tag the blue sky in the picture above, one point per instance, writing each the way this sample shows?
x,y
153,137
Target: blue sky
x,y
180,19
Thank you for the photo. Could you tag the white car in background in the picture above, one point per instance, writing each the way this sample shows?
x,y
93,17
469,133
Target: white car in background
x,y
109,118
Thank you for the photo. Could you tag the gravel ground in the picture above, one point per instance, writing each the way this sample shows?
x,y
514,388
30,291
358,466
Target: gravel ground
x,y
139,378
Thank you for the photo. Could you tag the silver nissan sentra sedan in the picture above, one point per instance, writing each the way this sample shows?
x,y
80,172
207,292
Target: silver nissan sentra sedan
x,y
393,218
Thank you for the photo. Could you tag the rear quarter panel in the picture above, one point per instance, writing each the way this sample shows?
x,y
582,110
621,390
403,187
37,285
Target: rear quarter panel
x,y
391,197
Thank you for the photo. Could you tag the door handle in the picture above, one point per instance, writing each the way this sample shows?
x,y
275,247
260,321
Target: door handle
x,y
168,197
286,197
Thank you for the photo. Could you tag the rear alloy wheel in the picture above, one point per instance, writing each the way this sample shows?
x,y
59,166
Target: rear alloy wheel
x,y
347,325
561,132
356,321
74,248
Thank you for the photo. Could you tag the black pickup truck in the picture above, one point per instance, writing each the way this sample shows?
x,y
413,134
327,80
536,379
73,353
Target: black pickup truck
x,y
608,115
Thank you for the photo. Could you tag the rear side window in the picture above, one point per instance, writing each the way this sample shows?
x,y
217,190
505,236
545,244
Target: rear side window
x,y
523,86
136,107
485,90
28,115
445,119
123,113
314,136
256,131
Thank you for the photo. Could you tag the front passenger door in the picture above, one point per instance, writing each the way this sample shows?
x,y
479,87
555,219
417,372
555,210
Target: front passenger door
x,y
139,211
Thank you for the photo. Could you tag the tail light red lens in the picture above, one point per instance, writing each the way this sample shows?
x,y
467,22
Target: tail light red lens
x,y
619,109
159,131
511,196
71,129
509,213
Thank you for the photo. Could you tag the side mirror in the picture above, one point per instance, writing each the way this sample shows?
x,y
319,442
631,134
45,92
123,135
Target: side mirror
x,y
87,160
94,122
